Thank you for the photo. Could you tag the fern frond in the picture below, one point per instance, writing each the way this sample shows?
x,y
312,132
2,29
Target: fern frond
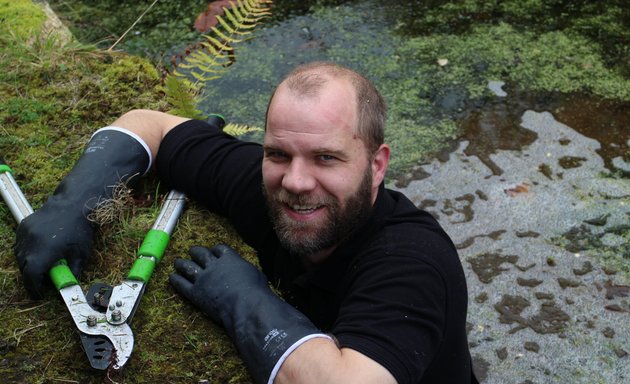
x,y
207,60
234,16
252,6
223,37
231,30
182,95
215,46
203,78
202,66
240,129
235,13
216,57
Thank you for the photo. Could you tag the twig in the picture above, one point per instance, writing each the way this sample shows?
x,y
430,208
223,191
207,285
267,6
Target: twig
x,y
132,25
47,365
17,335
32,308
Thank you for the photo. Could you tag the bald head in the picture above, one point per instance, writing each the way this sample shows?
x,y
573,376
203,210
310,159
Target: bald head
x,y
308,80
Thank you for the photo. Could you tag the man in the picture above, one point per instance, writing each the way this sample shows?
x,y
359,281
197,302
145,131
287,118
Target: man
x,y
375,290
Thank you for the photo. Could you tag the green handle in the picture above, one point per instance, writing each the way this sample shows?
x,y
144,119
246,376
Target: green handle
x,y
62,276
150,253
4,167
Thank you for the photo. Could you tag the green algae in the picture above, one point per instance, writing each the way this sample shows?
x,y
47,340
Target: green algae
x,y
430,82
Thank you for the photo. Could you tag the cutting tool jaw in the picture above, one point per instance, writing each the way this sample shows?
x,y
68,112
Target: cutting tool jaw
x,y
106,344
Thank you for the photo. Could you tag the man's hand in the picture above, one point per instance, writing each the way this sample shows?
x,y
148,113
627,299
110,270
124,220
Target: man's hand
x,y
215,279
51,233
60,229
235,294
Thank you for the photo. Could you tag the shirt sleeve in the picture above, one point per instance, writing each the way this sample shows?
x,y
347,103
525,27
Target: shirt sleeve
x,y
217,170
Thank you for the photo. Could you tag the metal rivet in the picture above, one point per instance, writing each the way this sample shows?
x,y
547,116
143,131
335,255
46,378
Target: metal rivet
x,y
91,321
119,303
116,315
112,307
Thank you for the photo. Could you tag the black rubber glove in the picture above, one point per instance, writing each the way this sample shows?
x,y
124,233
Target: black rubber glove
x,y
60,228
232,292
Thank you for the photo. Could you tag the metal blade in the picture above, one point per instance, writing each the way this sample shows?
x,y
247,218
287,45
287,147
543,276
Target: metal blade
x,y
99,350
94,327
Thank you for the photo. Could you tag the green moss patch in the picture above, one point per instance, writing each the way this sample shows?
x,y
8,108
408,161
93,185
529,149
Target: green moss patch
x,y
21,18
53,96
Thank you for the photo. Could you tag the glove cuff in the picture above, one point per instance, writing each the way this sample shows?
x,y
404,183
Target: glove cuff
x,y
276,368
133,135
112,156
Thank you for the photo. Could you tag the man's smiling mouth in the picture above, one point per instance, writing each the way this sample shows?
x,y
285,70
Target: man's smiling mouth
x,y
304,209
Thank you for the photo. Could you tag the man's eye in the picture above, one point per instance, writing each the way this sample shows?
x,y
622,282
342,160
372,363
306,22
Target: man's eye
x,y
327,158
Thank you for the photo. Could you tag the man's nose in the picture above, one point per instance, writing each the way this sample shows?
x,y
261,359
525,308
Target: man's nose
x,y
298,177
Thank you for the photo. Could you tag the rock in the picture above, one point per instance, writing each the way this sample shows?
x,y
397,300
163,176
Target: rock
x,y
53,25
619,163
495,87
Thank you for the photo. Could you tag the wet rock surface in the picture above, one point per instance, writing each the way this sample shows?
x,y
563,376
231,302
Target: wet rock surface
x,y
542,243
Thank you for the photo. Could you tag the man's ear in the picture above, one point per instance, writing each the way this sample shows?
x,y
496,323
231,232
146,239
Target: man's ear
x,y
379,165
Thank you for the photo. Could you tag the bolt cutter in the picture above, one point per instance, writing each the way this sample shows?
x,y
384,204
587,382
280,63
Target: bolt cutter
x,y
103,316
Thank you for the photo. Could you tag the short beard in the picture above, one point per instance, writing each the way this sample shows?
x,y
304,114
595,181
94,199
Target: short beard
x,y
300,240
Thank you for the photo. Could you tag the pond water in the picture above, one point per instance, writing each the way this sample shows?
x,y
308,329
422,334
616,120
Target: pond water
x,y
432,60
436,87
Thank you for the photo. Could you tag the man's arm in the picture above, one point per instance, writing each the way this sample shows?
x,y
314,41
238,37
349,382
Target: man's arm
x,y
150,126
321,361
61,228
276,341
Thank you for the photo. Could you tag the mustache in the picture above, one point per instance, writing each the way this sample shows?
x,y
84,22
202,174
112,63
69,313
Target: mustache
x,y
286,197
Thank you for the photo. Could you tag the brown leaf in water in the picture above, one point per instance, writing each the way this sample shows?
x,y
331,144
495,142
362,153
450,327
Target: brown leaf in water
x,y
208,19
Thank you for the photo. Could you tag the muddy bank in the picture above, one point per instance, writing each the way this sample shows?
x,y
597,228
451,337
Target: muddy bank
x,y
543,234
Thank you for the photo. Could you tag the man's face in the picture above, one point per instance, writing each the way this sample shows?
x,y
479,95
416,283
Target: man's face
x,y
317,175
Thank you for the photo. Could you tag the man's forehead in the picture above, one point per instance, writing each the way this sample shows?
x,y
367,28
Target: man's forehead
x,y
312,83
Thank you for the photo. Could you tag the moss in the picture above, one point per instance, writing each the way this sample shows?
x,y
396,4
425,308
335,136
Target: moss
x,y
53,96
21,18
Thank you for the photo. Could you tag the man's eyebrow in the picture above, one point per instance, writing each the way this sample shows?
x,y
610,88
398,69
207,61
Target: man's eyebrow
x,y
329,151
267,147
316,151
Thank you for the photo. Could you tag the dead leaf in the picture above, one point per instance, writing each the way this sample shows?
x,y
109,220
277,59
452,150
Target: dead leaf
x,y
208,19
518,189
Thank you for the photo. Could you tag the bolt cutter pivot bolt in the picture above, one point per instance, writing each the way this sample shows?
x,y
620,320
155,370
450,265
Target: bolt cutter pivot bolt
x,y
116,315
